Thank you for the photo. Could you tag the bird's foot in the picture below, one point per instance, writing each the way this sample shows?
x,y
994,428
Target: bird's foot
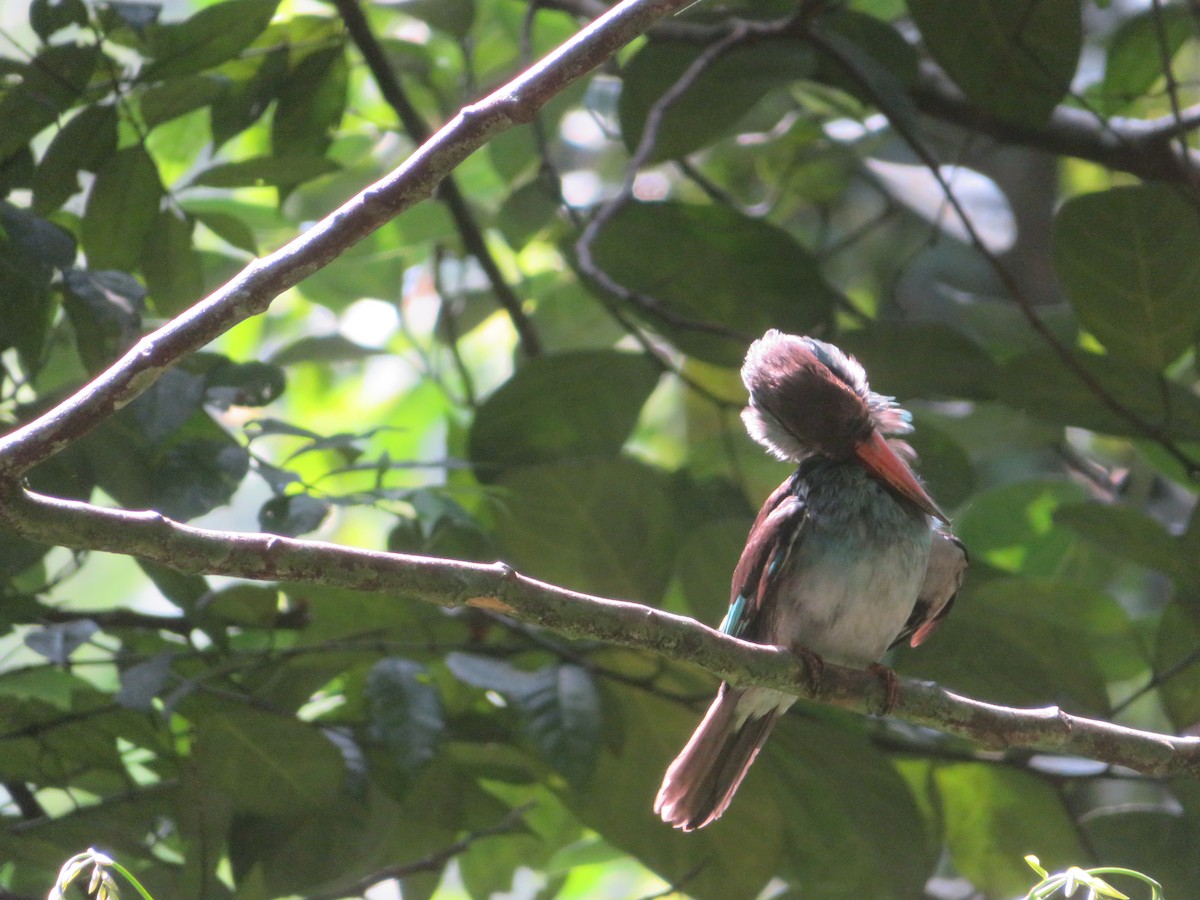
x,y
891,686
814,668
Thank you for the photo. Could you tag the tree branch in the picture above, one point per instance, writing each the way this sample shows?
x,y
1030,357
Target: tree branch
x,y
464,220
497,587
252,290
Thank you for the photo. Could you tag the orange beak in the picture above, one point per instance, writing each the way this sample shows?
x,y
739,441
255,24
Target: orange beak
x,y
882,462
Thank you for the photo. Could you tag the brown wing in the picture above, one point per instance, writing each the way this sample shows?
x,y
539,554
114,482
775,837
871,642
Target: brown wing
x,y
770,540
943,577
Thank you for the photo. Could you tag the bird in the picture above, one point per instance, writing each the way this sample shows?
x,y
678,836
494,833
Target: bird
x,y
846,558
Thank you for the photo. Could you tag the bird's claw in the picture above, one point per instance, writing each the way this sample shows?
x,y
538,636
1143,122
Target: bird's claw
x,y
891,686
814,668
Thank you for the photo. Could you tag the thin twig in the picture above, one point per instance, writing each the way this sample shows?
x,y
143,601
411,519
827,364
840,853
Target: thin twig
x,y
434,862
448,191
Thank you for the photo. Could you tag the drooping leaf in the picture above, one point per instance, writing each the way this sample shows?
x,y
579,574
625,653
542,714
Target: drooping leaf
x,y
310,104
267,764
919,359
1134,63
293,514
562,718
31,249
1125,258
49,16
605,527
83,144
405,712
1016,58
1128,533
49,84
564,407
996,815
261,171
196,476
714,102
1040,385
708,262
121,209
207,38
173,271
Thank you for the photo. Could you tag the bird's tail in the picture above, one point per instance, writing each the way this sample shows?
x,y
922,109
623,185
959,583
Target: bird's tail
x,y
704,777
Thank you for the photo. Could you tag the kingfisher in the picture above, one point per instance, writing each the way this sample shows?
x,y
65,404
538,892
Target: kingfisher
x,y
844,560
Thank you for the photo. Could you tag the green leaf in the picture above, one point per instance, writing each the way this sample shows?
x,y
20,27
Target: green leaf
x,y
1176,641
565,407
105,308
1135,53
851,825
455,17
712,105
996,815
196,476
49,84
266,764
489,674
1128,533
1040,384
1016,58
405,712
707,262
921,359
292,515
83,144
48,16
1031,642
255,83
310,105
262,171
733,858
171,265
605,527
208,38
1125,257
562,719
121,209
30,250
1012,527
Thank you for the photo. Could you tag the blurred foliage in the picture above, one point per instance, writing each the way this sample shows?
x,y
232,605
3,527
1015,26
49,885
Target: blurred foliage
x,y
254,741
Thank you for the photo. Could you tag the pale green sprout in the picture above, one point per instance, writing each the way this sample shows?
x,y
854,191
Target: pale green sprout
x,y
1074,878
101,885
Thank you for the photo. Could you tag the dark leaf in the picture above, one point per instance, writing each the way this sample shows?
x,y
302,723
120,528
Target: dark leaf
x,y
48,16
994,816
121,209
85,143
1041,386
267,764
566,407
920,359
171,99
196,476
208,38
606,527
243,384
167,405
49,84
562,719
324,348
707,261
715,102
248,97
1126,532
310,105
452,16
405,712
1125,258
30,250
292,515
1016,59
171,265
266,171
1135,53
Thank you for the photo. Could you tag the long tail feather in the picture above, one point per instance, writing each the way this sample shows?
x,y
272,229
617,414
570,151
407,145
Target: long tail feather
x,y
704,777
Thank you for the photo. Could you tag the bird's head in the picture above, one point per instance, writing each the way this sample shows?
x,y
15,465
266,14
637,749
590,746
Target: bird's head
x,y
809,398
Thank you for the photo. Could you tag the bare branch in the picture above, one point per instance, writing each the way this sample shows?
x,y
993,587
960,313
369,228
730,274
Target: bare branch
x,y
497,587
252,290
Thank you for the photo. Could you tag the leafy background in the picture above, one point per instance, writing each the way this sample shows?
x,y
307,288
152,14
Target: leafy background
x,y
540,366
